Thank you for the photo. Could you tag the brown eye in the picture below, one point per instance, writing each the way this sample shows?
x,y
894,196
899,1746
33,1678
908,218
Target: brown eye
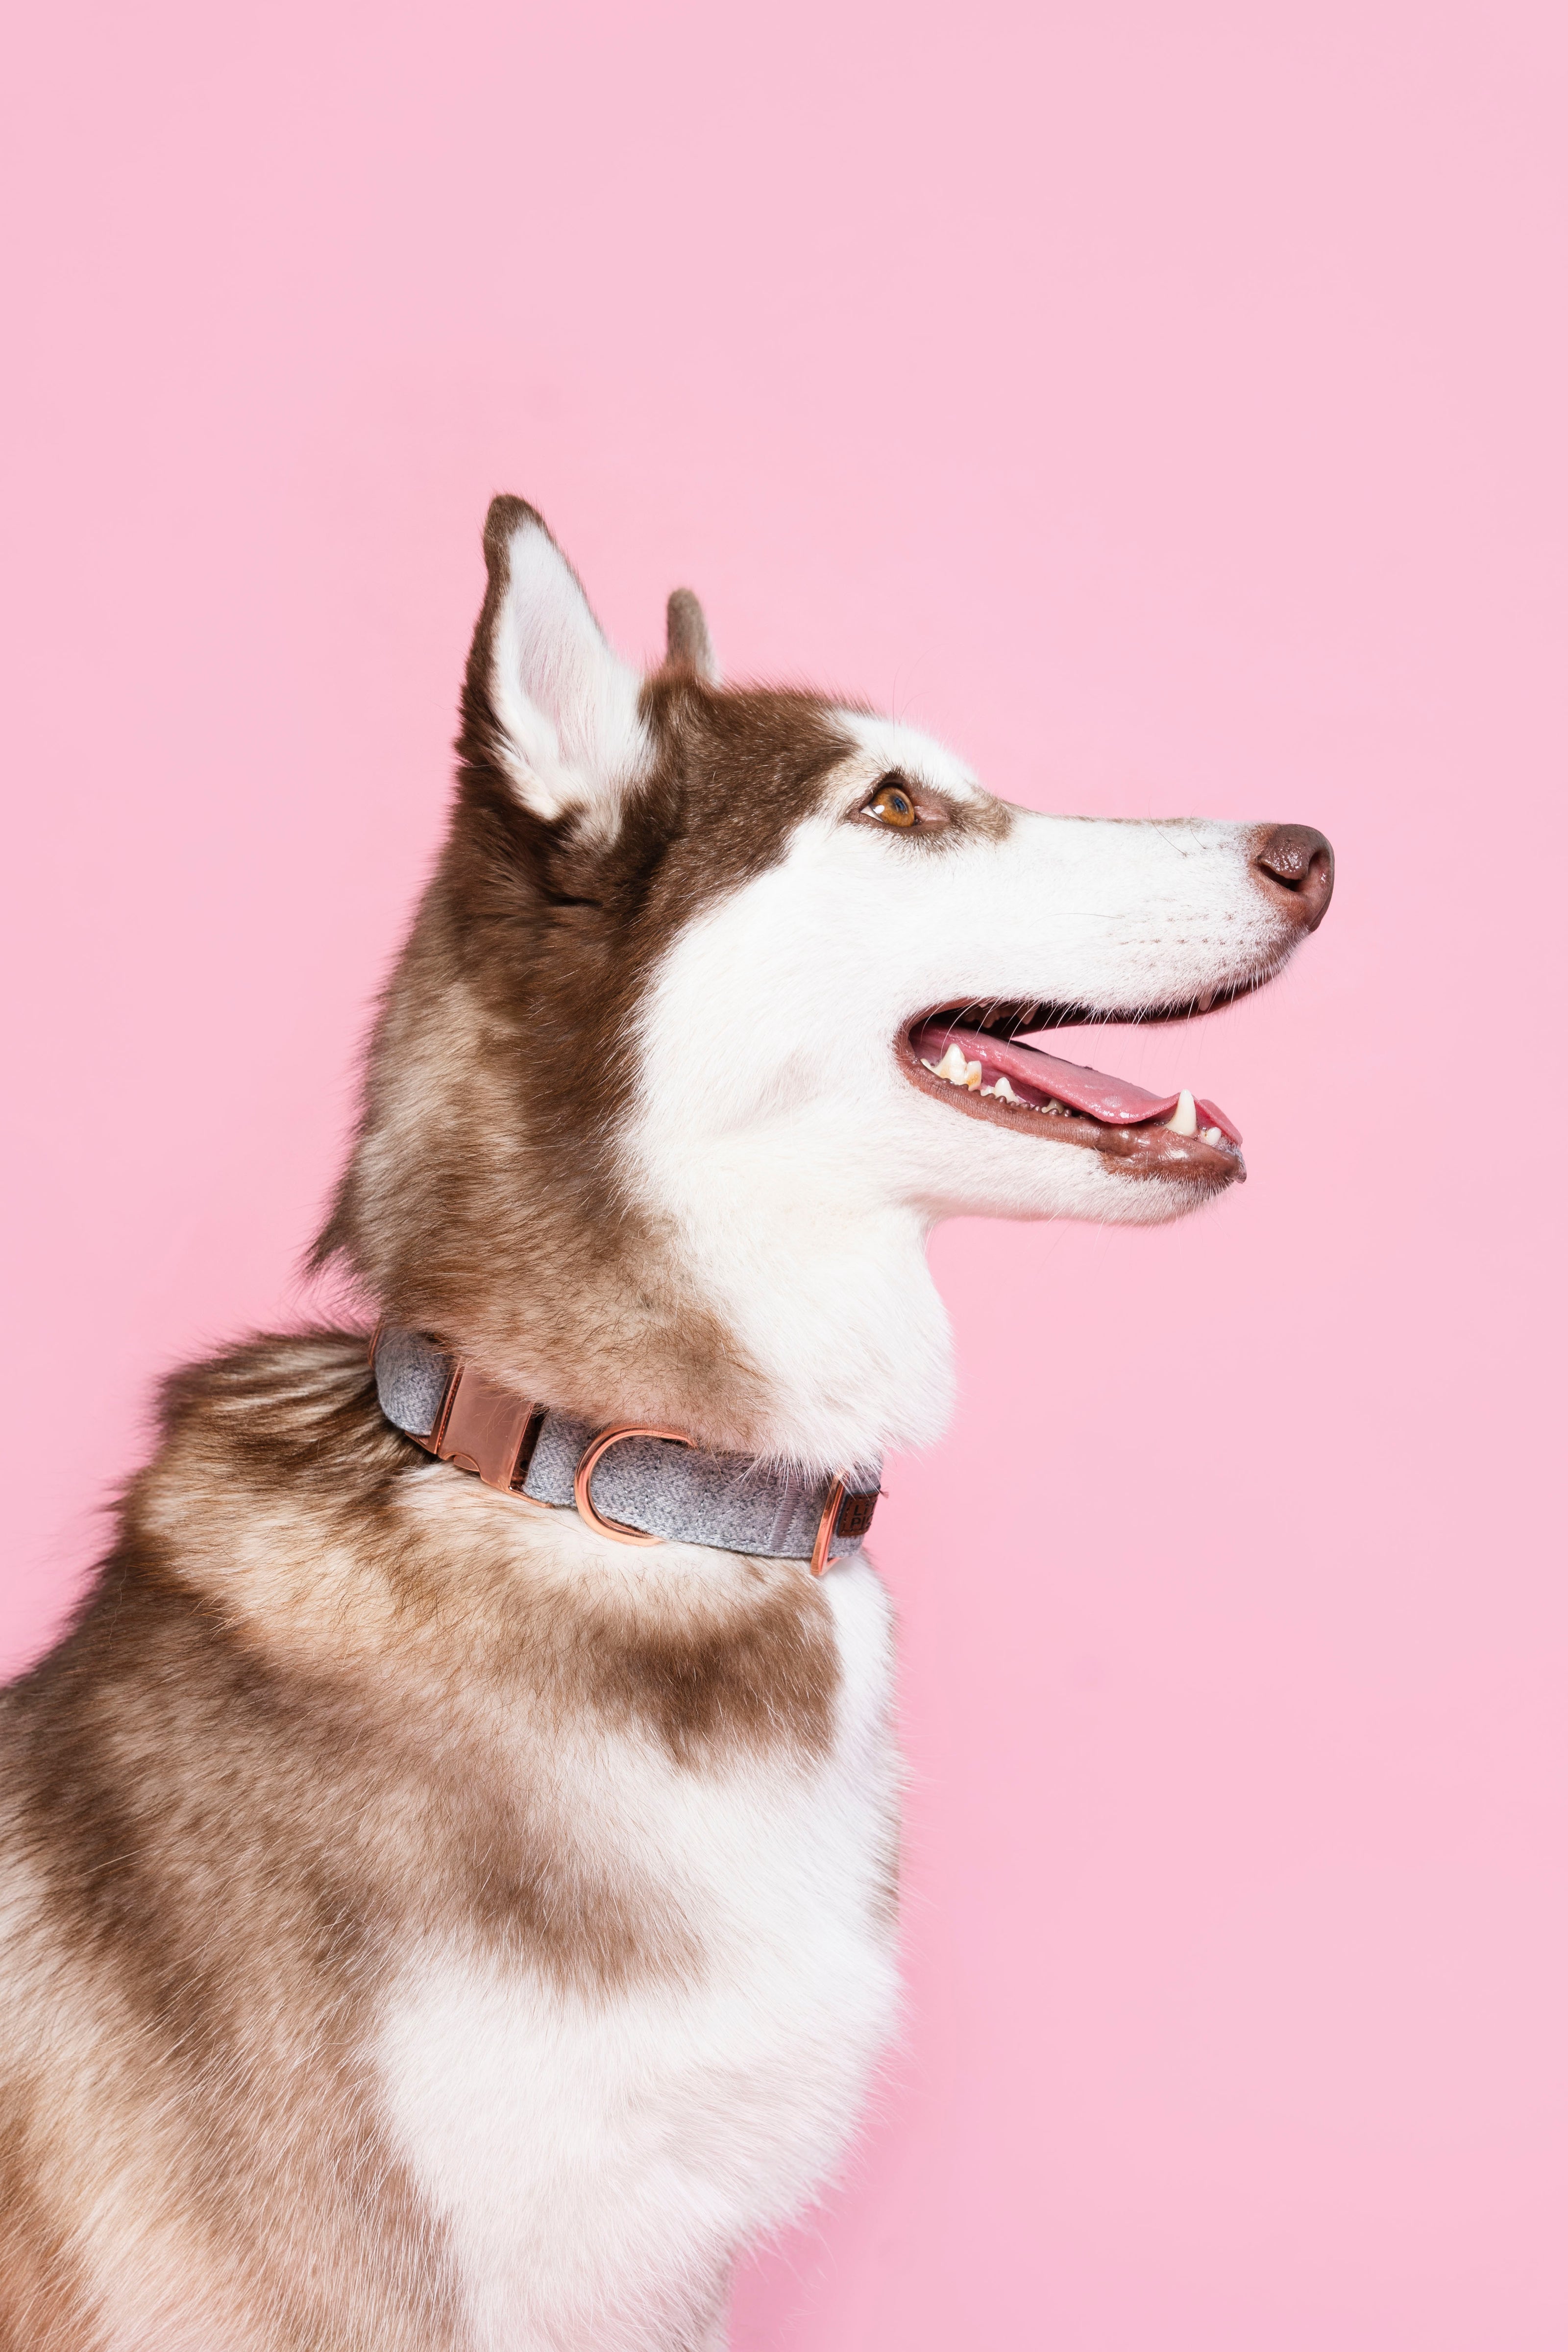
x,y
890,804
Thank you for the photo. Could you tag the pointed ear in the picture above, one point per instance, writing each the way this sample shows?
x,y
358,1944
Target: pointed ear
x,y
687,643
560,703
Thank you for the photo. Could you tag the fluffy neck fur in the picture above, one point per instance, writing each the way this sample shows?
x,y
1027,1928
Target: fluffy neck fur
x,y
636,1136
497,1195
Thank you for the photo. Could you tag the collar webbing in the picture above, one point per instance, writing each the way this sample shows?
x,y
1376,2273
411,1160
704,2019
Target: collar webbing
x,y
635,1484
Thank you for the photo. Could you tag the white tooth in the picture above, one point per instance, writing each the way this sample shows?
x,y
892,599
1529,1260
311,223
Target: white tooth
x,y
1184,1119
931,1066
1006,1091
1213,1134
987,1090
955,1067
973,1075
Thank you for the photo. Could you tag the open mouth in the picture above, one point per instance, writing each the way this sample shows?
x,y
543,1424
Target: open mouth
x,y
971,1056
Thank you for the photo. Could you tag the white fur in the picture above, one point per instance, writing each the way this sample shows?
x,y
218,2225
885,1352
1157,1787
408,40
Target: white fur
x,y
599,2158
566,702
597,2152
776,1131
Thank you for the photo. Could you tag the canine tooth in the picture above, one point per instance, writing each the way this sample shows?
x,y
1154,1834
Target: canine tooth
x,y
1213,1135
1184,1119
955,1067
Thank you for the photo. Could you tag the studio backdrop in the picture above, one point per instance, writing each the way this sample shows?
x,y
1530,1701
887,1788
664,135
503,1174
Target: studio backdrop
x,y
1164,405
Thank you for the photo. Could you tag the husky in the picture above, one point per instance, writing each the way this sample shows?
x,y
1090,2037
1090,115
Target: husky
x,y
449,1862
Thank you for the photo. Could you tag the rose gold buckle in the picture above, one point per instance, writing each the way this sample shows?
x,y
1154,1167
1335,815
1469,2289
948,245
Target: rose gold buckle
x,y
615,1529
486,1429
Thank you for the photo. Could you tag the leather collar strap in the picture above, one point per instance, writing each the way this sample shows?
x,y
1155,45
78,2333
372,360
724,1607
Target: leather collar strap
x,y
635,1486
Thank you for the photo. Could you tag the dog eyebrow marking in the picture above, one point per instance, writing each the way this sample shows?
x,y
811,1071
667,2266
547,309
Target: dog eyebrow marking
x,y
887,748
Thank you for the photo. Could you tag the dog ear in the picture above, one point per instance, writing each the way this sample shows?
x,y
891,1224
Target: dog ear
x,y
688,645
559,703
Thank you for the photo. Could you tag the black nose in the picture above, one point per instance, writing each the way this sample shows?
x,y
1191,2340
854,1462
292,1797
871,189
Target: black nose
x,y
1297,860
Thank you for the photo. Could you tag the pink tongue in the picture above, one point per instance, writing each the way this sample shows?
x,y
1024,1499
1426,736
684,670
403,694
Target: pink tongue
x,y
1041,1077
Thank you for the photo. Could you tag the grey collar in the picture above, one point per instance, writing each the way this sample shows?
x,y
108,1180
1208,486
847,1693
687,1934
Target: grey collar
x,y
635,1484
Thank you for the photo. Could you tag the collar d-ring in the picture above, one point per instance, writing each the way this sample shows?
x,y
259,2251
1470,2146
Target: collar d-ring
x,y
827,1528
593,1453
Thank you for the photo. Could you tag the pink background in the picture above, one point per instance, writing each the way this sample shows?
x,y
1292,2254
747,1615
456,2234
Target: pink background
x,y
1167,404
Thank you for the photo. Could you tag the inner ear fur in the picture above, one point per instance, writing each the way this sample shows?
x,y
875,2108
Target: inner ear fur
x,y
547,699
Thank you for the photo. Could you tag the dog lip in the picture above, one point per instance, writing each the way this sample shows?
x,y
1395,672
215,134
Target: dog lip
x,y
1017,1016
1142,1146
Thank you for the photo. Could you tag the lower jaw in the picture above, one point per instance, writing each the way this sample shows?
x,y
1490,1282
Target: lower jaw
x,y
1148,1151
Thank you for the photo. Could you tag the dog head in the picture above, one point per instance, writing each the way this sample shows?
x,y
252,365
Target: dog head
x,y
713,1007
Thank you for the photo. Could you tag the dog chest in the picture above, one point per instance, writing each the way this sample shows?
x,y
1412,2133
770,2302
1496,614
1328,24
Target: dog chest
x,y
602,2148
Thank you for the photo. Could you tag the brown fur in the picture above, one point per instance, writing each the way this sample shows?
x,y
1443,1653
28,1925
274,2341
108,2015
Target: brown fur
x,y
485,1201
339,1727
687,632
43,2304
312,1713
256,1772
